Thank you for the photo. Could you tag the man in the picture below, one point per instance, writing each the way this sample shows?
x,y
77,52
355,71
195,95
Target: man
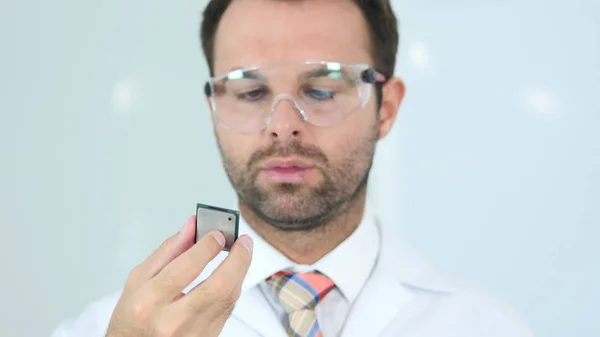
x,y
302,91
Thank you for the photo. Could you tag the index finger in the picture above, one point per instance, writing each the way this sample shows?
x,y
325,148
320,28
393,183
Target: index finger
x,y
224,285
171,248
182,271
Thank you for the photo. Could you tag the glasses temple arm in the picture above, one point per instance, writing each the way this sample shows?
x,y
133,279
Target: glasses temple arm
x,y
372,76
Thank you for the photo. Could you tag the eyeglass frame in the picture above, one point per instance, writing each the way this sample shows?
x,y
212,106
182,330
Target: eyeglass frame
x,y
369,75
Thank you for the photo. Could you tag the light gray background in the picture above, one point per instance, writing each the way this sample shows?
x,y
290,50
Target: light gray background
x,y
492,169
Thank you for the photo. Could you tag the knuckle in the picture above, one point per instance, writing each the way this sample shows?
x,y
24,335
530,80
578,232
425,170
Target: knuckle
x,y
163,282
135,273
193,307
166,244
164,328
141,311
225,291
142,306
221,288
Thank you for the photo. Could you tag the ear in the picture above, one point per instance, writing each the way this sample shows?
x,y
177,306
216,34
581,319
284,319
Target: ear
x,y
393,94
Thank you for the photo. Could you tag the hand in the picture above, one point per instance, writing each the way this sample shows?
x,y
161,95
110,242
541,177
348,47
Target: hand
x,y
152,302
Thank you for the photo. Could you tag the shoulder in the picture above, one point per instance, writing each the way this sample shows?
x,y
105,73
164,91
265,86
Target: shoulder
x,y
92,321
475,312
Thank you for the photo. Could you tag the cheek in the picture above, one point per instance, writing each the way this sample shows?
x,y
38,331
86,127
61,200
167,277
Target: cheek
x,y
355,128
337,146
350,139
235,147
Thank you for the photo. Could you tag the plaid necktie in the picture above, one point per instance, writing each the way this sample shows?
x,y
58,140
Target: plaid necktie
x,y
299,294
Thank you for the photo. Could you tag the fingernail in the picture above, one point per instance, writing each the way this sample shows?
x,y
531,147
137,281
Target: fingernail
x,y
247,242
220,238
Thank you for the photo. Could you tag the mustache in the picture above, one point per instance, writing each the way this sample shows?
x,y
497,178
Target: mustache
x,y
285,150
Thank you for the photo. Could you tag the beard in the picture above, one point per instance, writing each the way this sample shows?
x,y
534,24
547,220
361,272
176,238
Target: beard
x,y
294,207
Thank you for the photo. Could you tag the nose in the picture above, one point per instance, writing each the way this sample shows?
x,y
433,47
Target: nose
x,y
286,121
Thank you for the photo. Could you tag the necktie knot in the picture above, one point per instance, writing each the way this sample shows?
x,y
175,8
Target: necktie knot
x,y
298,294
299,291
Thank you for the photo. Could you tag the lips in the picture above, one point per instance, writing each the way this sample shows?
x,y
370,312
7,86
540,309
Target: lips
x,y
287,170
286,164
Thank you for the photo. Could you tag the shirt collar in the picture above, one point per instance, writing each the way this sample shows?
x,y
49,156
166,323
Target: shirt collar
x,y
266,260
360,249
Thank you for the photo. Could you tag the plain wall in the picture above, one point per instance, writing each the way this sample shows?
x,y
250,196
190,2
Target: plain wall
x,y
492,169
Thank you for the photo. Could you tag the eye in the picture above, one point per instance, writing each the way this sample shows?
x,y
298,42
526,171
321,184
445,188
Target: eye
x,y
252,95
319,95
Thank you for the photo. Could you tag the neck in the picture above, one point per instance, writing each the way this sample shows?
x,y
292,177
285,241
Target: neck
x,y
308,246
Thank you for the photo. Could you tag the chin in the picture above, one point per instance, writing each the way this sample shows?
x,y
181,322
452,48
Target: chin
x,y
292,201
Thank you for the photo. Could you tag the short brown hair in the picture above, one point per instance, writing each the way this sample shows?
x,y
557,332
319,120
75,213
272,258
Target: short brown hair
x,y
379,15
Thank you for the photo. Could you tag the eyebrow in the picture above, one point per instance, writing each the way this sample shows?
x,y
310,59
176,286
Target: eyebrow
x,y
238,73
325,72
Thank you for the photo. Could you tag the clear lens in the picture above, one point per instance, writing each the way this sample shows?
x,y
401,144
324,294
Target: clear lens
x,y
326,93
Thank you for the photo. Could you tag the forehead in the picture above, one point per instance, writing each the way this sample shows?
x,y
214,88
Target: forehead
x,y
281,31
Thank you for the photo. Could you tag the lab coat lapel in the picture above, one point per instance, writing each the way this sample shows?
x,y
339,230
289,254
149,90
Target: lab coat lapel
x,y
387,295
383,296
382,299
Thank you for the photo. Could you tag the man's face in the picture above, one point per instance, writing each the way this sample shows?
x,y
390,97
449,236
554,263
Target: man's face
x,y
330,165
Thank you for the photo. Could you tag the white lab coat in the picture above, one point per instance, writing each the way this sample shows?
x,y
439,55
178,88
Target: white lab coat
x,y
405,296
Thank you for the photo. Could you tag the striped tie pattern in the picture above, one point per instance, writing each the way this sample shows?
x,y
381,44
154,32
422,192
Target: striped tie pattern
x,y
299,293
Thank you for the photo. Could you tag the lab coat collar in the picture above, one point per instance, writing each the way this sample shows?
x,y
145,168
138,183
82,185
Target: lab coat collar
x,y
403,263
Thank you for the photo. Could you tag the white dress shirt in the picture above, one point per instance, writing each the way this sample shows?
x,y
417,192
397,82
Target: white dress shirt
x,y
385,289
361,249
